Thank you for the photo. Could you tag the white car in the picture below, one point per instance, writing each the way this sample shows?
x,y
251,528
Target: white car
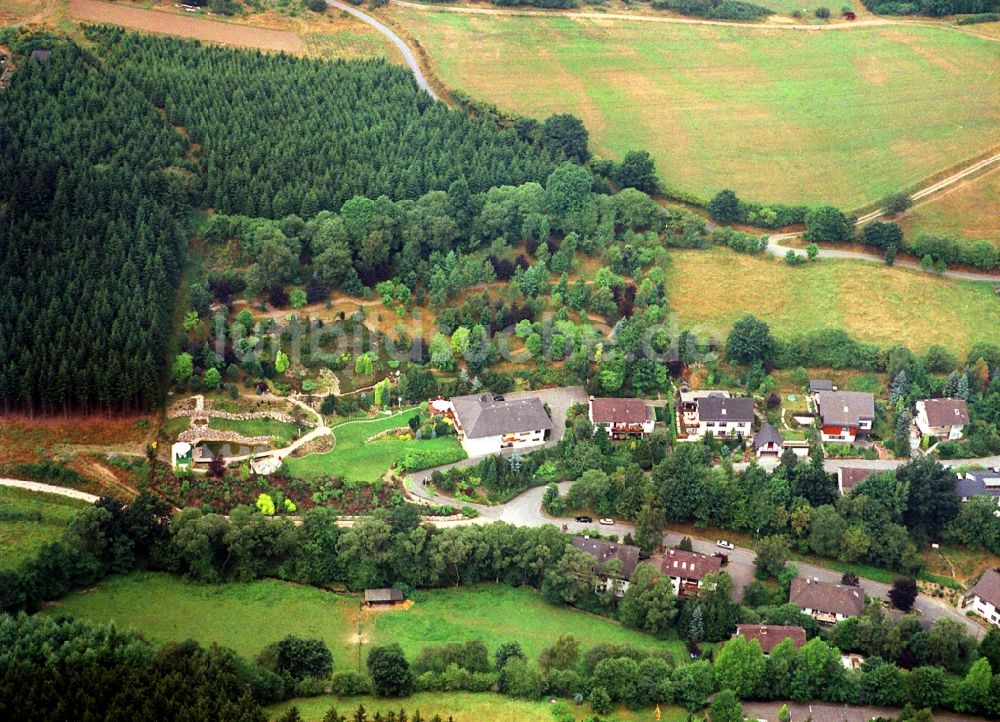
x,y
608,522
723,544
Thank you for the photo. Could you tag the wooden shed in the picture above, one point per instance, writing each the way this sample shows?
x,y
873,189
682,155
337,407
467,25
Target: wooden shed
x,y
383,597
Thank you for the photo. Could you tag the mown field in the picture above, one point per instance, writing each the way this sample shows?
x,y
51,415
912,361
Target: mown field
x,y
465,707
247,617
28,520
354,459
710,290
844,117
970,210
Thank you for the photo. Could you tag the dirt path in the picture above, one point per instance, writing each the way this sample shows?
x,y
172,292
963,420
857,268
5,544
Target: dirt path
x,y
243,36
49,489
774,246
404,49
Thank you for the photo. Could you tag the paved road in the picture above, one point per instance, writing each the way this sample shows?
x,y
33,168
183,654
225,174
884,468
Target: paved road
x,y
404,49
775,247
801,711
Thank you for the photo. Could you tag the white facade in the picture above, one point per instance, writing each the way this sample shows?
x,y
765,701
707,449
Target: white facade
x,y
620,586
984,609
952,432
486,445
721,428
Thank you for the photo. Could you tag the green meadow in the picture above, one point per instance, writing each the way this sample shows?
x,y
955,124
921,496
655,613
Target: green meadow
x,y
844,117
29,519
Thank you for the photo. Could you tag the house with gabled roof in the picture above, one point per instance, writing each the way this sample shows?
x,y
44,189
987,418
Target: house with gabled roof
x,y
488,425
605,552
622,418
943,418
850,476
979,482
770,636
687,570
825,602
845,415
984,598
767,441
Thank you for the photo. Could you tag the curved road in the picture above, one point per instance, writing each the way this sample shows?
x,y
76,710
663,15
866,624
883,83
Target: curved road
x,y
775,248
404,49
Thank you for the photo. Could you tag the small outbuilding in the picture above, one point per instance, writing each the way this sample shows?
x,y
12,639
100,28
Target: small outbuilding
x,y
383,597
767,441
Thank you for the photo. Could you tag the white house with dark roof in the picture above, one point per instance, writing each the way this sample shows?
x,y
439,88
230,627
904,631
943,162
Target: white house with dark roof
x,y
767,441
622,417
943,418
845,415
984,597
488,426
722,416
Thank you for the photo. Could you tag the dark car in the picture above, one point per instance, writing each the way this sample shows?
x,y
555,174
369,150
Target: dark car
x,y
499,397
584,519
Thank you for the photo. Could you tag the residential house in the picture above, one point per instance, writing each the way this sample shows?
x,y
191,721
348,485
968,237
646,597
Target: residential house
x,y
687,570
688,404
383,597
488,425
622,417
826,603
850,476
605,552
943,418
845,415
767,441
770,636
978,483
984,597
722,416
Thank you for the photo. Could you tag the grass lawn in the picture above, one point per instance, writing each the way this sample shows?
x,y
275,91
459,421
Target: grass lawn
x,y
29,519
710,290
843,117
281,431
969,210
247,617
496,614
462,707
356,460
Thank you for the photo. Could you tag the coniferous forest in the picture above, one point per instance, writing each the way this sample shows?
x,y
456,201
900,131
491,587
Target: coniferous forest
x,y
106,149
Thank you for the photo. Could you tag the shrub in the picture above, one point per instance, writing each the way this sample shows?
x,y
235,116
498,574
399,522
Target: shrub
x,y
823,13
317,6
417,458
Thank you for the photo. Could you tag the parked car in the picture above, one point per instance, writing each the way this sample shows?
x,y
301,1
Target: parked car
x,y
584,519
607,522
723,544
499,397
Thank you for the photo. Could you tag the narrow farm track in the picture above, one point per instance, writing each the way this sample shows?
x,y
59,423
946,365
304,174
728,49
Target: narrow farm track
x,y
404,49
49,489
775,247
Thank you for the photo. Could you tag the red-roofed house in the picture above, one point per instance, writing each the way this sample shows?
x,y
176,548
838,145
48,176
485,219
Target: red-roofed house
x,y
622,417
943,418
770,636
687,570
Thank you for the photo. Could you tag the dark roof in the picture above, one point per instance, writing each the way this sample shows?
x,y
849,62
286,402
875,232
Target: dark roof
x,y
820,385
826,597
689,565
383,595
605,551
480,416
767,435
987,588
845,408
771,635
717,408
620,411
946,412
851,476
978,483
